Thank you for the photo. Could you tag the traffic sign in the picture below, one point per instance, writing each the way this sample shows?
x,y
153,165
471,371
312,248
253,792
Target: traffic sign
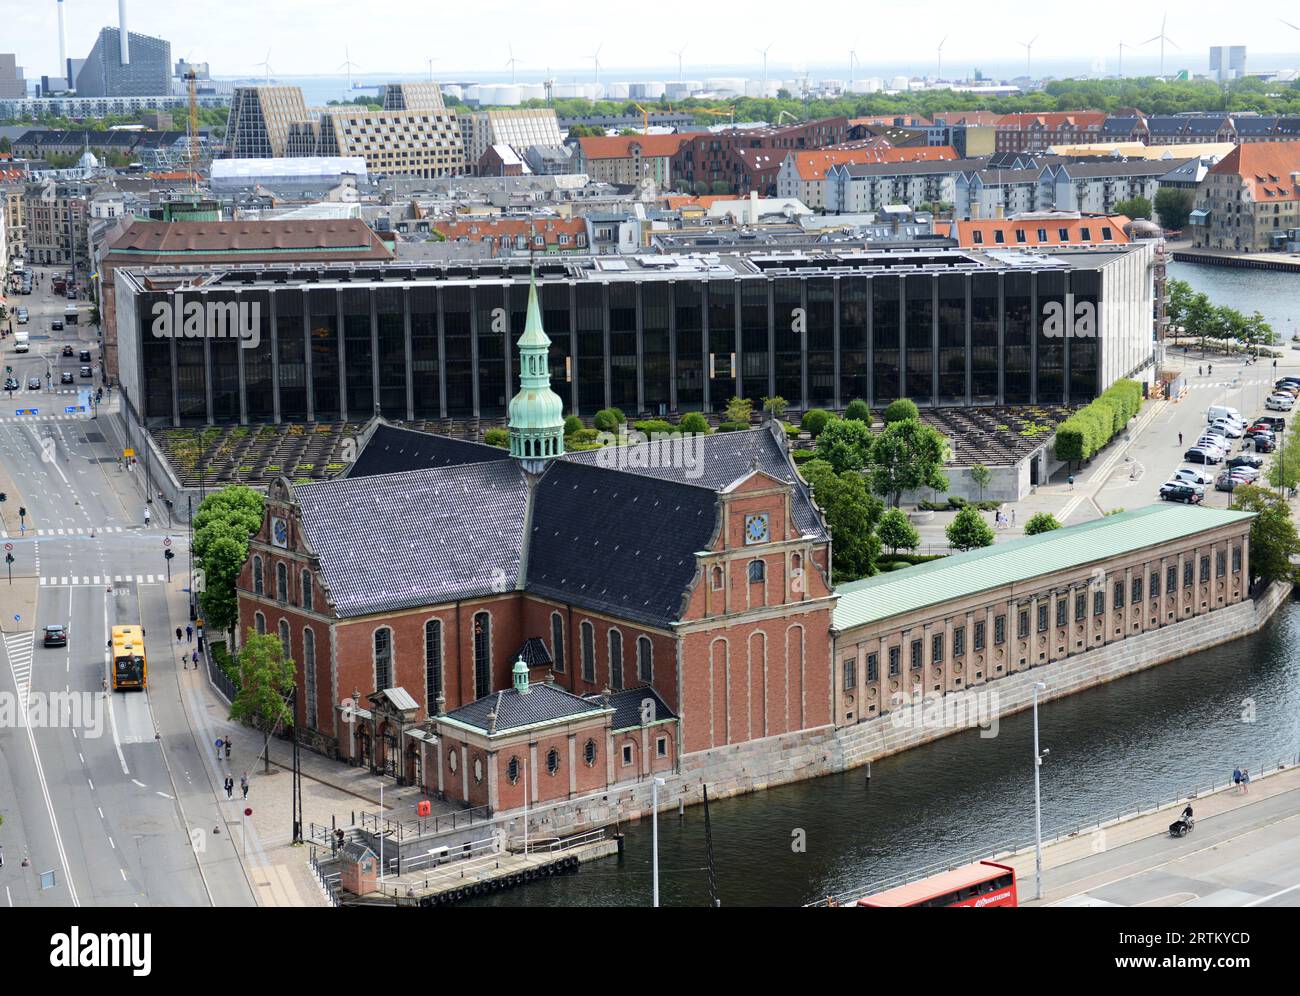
x,y
128,453
28,411
167,541
248,811
74,410
9,546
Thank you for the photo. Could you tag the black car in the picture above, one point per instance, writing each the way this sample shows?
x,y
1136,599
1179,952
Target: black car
x,y
1273,422
33,383
56,636
1263,444
67,378
1246,460
1198,455
84,356
11,384
87,372
68,351
56,325
1174,491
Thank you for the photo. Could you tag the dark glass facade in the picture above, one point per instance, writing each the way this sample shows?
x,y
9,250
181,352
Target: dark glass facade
x,y
428,349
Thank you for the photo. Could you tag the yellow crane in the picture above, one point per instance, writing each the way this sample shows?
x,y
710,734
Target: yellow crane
x,y
730,112
645,118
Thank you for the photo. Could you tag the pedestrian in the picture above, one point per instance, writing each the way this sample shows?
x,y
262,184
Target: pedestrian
x,y
1245,781
219,743
2,855
1211,369
1013,518
1180,440
195,657
1200,371
243,783
189,630
230,787
1070,481
227,747
178,634
1236,779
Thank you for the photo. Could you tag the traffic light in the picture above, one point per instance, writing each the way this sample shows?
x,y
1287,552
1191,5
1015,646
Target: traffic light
x,y
168,553
3,497
22,511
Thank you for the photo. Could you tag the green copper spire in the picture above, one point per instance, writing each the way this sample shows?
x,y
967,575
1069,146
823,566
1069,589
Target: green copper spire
x,y
536,412
520,674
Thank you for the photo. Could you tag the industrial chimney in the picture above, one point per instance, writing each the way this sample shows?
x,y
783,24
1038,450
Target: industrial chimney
x,y
124,45
63,48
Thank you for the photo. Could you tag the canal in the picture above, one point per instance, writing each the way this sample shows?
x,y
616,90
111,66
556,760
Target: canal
x,y
1125,744
1273,294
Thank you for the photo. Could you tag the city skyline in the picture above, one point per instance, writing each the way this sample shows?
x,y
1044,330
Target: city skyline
x,y
310,38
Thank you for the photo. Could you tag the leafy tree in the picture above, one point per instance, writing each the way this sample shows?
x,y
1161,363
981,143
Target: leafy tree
x,y
968,530
814,421
497,437
608,419
1134,207
739,410
1273,538
222,525
844,445
981,475
572,424
896,531
857,411
266,678
1041,522
852,513
1174,207
900,410
908,455
693,422
775,406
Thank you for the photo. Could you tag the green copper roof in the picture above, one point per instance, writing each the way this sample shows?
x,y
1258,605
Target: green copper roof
x,y
534,334
897,592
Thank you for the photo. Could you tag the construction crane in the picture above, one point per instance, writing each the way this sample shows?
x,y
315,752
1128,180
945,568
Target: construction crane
x,y
645,118
730,112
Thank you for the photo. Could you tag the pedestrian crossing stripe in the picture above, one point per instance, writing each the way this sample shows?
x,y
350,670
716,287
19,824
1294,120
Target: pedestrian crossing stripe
x,y
98,579
26,419
19,648
79,531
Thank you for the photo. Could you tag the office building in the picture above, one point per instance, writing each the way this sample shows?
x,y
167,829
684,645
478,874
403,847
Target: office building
x,y
12,84
1227,62
108,73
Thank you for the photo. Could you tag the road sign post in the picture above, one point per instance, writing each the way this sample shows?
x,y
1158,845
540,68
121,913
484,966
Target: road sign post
x,y
9,561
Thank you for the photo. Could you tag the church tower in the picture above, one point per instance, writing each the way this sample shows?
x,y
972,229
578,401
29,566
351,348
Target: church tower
x,y
536,412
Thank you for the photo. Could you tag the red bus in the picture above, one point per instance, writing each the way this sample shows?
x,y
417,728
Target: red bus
x,y
984,883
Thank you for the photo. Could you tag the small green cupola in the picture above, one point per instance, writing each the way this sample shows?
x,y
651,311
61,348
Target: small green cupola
x,y
536,412
520,675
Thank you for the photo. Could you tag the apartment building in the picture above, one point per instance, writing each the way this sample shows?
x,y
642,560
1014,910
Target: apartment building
x,y
1250,200
1036,132
1095,187
807,175
519,129
56,213
628,159
857,188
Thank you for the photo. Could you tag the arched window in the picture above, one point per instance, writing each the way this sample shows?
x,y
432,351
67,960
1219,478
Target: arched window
x,y
553,761
259,623
557,642
306,591
259,581
309,674
383,658
757,571
588,652
615,660
285,640
432,663
645,666
589,753
482,654
282,582
513,769
717,576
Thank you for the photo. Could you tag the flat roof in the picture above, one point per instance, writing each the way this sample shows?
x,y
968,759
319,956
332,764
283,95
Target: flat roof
x,y
897,592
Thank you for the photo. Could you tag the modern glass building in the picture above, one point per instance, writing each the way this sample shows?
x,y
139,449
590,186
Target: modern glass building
x,y
647,334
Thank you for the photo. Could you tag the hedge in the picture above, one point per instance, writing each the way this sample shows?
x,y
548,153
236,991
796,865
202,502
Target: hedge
x,y
1093,426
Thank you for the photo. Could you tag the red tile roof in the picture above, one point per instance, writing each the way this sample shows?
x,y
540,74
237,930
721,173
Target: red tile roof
x,y
988,228
477,229
1052,121
1266,168
620,147
814,165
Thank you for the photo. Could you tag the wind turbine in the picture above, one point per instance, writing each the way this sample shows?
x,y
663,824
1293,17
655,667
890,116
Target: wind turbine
x,y
595,60
266,64
763,52
1029,55
512,62
430,60
349,65
679,53
939,71
1162,38
853,59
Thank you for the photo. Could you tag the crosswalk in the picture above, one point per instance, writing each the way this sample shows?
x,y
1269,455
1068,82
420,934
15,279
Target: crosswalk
x,y
79,531
24,419
77,581
19,649
29,393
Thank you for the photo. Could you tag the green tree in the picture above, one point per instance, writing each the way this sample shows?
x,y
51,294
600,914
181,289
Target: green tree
x,y
908,455
739,410
968,530
900,410
1134,207
572,424
845,445
814,421
852,513
981,475
1273,538
896,531
693,422
857,411
266,679
1174,207
1041,522
775,406
497,437
222,525
608,419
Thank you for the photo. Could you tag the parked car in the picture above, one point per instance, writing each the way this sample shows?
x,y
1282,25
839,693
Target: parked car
x,y
1263,444
1190,475
1274,422
1219,411
1246,460
1216,443
55,636
1233,430
1287,381
1177,491
68,351
1198,455
1279,403
1226,482
1248,474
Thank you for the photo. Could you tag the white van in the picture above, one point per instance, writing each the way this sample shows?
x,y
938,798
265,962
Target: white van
x,y
1222,411
22,343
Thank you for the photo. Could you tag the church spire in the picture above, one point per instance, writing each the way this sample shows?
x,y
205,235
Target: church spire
x,y
536,412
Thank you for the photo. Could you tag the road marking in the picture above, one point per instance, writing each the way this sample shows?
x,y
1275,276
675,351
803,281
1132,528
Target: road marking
x,y
141,784
1280,892
111,844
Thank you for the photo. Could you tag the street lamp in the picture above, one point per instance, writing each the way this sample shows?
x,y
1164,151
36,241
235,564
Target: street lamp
x,y
1038,801
654,837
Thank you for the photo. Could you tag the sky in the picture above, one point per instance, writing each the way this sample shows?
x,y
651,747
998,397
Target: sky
x,y
474,38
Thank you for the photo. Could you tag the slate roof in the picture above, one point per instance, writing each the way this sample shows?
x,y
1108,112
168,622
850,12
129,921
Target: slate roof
x,y
1123,167
627,707
397,541
614,542
726,458
543,704
391,449
533,652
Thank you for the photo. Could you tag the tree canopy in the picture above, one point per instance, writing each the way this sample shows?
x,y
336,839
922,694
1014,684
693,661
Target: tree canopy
x,y
908,455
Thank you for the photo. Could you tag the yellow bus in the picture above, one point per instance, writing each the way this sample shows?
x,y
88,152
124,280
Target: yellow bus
x,y
129,668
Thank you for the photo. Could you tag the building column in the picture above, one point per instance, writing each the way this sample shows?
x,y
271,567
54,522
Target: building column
x,y
803,350
605,362
736,332
969,362
532,771
464,771
473,348
672,345
494,790
1033,339
442,357
640,349
934,342
836,285
410,357
275,364
707,372
573,348
1002,340
308,377
207,380
871,344
343,356
243,377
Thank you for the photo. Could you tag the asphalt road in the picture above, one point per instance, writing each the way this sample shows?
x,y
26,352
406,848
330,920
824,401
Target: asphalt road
x,y
109,793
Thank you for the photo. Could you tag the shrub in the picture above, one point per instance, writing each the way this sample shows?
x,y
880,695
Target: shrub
x,y
858,411
608,419
732,426
803,456
814,421
1041,522
582,436
572,424
651,426
497,437
693,422
900,410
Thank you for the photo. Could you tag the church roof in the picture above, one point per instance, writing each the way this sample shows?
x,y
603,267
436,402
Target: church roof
x,y
544,703
392,449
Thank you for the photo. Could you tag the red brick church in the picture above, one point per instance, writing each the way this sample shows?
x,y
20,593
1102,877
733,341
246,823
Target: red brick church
x,y
489,623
